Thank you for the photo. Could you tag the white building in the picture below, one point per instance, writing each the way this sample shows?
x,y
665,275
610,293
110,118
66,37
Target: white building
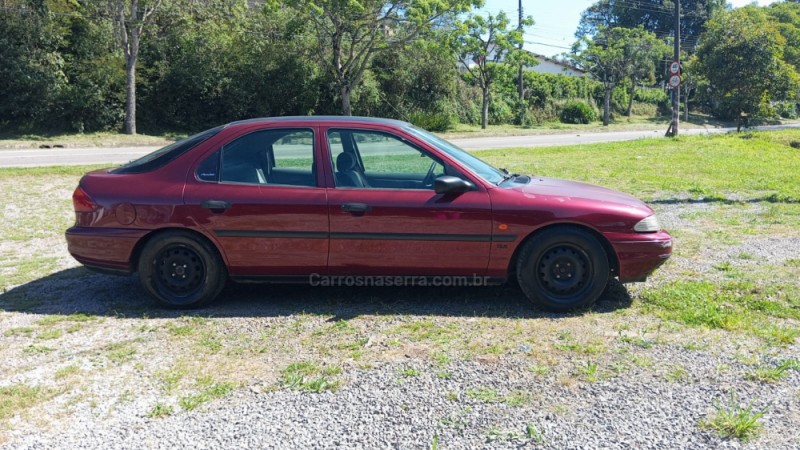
x,y
550,65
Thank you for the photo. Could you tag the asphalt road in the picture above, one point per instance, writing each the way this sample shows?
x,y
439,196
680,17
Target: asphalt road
x,y
98,155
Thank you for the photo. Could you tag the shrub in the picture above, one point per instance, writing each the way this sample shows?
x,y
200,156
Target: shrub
x,y
787,110
432,121
501,110
577,112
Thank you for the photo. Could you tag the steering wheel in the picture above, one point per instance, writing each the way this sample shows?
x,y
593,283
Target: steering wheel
x,y
430,176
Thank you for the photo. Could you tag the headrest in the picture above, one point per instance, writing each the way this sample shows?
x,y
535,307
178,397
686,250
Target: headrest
x,y
345,162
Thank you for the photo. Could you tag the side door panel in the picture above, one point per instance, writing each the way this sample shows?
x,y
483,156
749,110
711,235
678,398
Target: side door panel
x,y
409,232
406,228
267,228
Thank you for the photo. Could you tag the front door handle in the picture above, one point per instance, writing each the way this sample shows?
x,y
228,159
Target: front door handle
x,y
216,205
356,207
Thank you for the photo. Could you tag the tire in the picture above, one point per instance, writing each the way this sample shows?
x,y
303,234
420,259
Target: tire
x,y
181,270
563,268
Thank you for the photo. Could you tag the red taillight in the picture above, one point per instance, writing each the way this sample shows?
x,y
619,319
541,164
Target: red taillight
x,y
82,202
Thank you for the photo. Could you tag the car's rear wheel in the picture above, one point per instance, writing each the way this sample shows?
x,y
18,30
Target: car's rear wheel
x,y
181,270
563,268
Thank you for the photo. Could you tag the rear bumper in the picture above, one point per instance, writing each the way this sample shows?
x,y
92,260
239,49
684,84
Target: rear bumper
x,y
106,250
640,254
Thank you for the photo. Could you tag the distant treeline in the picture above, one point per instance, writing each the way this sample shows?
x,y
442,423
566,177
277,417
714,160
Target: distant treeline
x,y
200,63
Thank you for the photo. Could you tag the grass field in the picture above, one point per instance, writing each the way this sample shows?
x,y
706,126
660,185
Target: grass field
x,y
69,333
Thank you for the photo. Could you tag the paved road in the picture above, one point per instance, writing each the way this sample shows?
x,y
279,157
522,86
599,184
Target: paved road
x,y
97,155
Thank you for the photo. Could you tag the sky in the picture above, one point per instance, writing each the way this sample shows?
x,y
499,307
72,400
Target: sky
x,y
556,21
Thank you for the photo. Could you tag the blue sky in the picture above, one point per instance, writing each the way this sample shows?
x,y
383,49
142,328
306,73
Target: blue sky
x,y
556,21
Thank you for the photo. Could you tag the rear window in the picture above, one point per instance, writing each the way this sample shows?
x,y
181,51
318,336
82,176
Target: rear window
x,y
162,156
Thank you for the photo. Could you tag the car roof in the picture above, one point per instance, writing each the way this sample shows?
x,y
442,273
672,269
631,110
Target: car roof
x,y
320,119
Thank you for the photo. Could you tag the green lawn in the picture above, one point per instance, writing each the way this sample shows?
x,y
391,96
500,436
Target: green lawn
x,y
747,166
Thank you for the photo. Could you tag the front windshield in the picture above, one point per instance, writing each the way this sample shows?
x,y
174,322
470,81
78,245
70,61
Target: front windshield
x,y
476,165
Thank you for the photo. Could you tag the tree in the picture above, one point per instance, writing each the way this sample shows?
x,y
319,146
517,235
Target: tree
x,y
130,19
786,17
482,43
656,16
690,80
31,68
350,32
741,56
614,54
643,51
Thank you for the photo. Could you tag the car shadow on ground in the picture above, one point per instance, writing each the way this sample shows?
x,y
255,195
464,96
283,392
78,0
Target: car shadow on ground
x,y
78,290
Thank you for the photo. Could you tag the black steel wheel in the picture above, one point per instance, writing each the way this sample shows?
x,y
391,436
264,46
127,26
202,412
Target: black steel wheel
x,y
563,268
181,270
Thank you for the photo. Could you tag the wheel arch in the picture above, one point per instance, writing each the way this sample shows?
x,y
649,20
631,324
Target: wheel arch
x,y
139,247
611,254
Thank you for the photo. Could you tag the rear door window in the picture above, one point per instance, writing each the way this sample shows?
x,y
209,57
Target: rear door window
x,y
268,157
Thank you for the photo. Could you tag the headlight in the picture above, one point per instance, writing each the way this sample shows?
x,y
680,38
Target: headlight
x,y
648,225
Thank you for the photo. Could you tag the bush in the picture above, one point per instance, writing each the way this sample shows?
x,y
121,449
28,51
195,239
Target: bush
x,y
501,110
577,112
432,121
644,109
787,110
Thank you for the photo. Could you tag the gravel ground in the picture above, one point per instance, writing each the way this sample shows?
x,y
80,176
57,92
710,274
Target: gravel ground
x,y
410,401
379,408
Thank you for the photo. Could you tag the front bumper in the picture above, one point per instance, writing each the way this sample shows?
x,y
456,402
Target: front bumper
x,y
639,254
107,250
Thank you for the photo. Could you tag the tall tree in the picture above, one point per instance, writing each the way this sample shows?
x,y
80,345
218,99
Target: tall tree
x,y
656,16
741,56
484,42
643,52
350,32
131,18
31,68
786,17
614,54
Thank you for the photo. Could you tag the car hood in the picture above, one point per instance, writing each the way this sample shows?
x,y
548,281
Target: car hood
x,y
565,191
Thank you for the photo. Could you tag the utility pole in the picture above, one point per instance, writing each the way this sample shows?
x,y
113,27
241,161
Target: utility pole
x,y
676,88
521,85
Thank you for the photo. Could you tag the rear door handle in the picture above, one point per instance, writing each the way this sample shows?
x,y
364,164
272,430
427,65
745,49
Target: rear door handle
x,y
356,207
216,205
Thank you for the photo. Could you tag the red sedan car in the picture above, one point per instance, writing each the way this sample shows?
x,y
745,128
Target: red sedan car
x,y
353,201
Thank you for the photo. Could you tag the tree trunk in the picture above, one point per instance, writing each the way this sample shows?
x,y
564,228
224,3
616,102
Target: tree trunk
x,y
130,98
686,105
630,97
607,105
347,110
485,108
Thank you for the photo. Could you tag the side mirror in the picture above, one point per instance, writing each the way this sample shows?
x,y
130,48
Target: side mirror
x,y
451,185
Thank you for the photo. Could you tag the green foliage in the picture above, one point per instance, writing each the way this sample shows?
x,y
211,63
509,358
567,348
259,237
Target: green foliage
x,y
440,121
787,110
541,87
577,112
656,16
484,45
615,54
418,83
309,377
349,33
741,55
735,421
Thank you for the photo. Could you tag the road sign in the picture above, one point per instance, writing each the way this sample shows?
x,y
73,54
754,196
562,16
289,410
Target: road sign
x,y
675,81
675,67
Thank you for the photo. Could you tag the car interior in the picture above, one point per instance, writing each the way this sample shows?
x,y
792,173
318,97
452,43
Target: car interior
x,y
270,157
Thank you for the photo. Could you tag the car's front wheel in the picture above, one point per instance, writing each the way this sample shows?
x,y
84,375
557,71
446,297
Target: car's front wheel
x,y
181,270
563,268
